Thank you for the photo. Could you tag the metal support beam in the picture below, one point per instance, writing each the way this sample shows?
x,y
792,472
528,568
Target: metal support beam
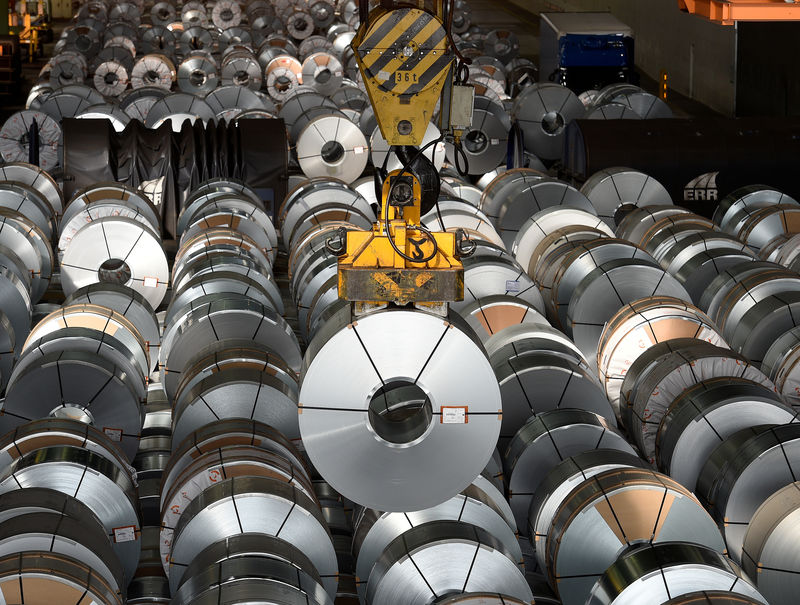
x,y
727,12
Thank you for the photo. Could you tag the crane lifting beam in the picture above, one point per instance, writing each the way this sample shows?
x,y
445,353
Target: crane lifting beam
x,y
727,12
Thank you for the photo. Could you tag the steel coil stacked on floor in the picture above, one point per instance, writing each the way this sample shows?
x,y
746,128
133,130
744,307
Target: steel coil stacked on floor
x,y
225,314
310,216
218,484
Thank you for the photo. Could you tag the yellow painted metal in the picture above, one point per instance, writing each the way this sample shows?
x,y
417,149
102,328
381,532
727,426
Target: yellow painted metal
x,y
727,12
406,60
372,271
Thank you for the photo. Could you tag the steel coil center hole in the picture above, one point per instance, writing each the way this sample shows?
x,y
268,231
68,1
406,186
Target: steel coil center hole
x,y
282,83
197,77
83,44
300,24
114,271
163,14
552,122
323,75
332,152
72,411
151,76
226,14
476,142
400,412
241,78
110,78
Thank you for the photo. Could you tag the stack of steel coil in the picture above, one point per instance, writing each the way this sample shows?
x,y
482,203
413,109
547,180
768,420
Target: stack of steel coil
x,y
226,351
240,517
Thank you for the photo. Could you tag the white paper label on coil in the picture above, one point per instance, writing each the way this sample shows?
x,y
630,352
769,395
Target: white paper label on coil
x,y
359,150
113,434
454,415
125,534
150,282
495,141
512,286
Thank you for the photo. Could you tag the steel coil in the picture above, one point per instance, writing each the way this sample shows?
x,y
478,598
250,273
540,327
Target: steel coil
x,y
33,176
559,484
410,569
641,325
14,138
332,146
457,423
596,520
742,472
178,108
612,188
543,111
197,75
546,440
671,574
666,370
153,70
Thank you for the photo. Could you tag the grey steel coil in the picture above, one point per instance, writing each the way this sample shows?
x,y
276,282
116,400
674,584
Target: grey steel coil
x,y
634,225
226,14
665,371
153,70
612,111
780,364
53,576
162,13
410,570
117,250
672,574
218,317
94,480
332,146
488,276
323,72
485,142
36,178
381,154
282,75
194,14
705,415
763,225
149,585
269,567
491,315
536,379
641,325
580,262
454,216
742,472
597,520
430,415
14,141
769,554
613,188
543,442
30,203
607,289
546,222
241,505
197,75
559,484
737,205
106,111
240,68
671,231
374,530
543,111
137,103
718,289
127,301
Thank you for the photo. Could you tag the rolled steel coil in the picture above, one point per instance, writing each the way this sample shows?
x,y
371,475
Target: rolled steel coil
x,y
240,68
763,225
742,472
543,442
544,223
559,484
15,143
635,224
641,325
544,110
322,71
410,572
672,574
599,512
768,553
376,530
612,188
487,276
332,146
282,75
241,505
37,178
197,75
705,414
153,70
666,370
92,479
457,421
30,203
118,250
607,289
737,205
492,314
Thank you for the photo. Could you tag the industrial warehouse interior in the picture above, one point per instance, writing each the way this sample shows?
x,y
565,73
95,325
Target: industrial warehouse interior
x,y
400,302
